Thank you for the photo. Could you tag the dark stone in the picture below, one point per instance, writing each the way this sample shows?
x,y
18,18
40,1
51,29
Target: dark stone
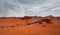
x,y
2,26
43,26
28,24
12,26
47,20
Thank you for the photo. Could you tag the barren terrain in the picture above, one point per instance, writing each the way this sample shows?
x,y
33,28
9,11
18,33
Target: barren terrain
x,y
31,26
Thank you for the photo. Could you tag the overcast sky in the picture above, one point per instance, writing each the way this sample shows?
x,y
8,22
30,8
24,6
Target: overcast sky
x,y
19,8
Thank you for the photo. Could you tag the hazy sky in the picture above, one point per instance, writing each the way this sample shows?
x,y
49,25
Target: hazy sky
x,y
29,7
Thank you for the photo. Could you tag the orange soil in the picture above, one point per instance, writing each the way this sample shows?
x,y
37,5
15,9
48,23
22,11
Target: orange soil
x,y
15,26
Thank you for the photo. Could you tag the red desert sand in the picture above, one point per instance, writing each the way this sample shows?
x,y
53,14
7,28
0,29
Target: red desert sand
x,y
30,26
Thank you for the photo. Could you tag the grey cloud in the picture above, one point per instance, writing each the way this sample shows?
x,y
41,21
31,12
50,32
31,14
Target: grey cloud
x,y
48,8
11,8
29,7
33,1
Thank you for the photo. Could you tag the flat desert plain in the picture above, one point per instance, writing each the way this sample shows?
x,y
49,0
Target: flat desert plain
x,y
32,26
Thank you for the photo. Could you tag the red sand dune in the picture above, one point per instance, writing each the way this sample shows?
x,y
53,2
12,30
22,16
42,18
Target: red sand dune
x,y
20,26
